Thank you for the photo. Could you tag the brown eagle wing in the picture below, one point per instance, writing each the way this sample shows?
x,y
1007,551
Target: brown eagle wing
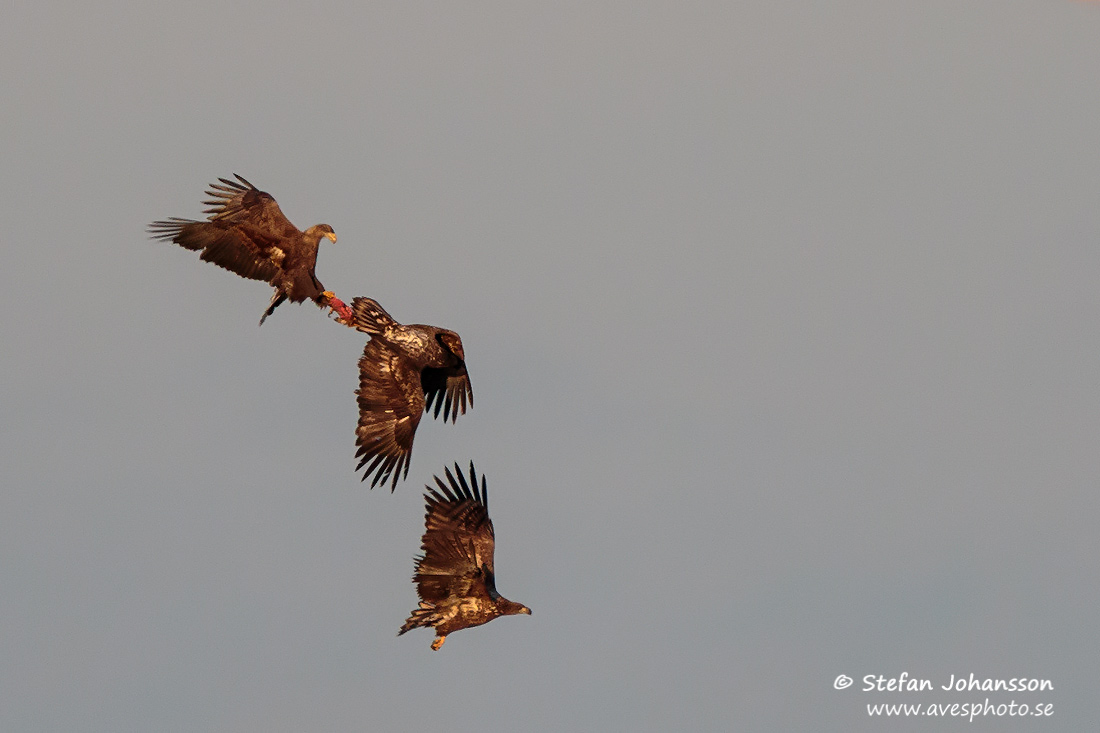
x,y
391,402
458,541
246,231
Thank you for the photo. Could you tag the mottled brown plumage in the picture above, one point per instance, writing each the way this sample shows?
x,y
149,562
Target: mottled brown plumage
x,y
248,234
454,577
403,372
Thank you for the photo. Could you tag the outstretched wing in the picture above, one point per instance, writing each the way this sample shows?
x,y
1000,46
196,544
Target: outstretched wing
x,y
240,202
245,233
447,389
458,541
391,402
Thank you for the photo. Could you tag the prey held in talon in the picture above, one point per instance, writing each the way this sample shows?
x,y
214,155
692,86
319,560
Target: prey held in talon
x,y
339,307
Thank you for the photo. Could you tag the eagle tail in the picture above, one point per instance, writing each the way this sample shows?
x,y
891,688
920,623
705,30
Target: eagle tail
x,y
370,317
424,617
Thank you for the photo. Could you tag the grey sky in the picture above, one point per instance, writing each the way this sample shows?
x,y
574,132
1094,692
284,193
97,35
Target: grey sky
x,y
781,321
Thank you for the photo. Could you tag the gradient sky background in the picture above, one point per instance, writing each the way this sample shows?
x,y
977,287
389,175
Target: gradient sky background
x,y
781,318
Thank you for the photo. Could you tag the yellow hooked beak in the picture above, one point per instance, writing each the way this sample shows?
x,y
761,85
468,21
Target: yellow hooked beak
x,y
331,235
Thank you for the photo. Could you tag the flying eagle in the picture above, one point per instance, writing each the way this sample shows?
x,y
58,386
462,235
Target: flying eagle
x,y
248,234
403,373
454,577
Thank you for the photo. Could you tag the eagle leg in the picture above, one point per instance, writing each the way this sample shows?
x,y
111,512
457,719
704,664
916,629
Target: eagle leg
x,y
438,642
276,298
